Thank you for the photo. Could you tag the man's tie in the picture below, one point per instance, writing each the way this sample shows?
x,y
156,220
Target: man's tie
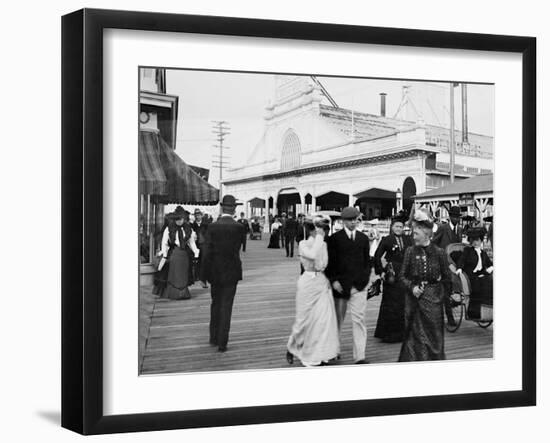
x,y
400,243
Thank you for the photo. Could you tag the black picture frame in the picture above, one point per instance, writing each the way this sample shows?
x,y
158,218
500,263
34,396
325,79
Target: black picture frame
x,y
82,230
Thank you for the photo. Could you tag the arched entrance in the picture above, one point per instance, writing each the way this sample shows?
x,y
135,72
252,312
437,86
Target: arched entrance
x,y
288,201
333,201
409,191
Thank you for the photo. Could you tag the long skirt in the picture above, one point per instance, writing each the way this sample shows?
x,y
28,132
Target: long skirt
x,y
314,337
178,275
274,240
424,326
391,317
482,294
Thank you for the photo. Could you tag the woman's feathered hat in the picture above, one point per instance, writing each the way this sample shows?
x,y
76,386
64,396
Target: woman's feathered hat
x,y
423,218
318,220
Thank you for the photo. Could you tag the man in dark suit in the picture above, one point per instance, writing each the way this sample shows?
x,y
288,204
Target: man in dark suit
x,y
349,267
200,226
290,232
223,270
451,232
243,221
446,234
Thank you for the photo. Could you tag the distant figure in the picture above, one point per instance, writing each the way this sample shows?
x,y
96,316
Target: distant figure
x,y
275,234
391,318
178,241
243,221
446,234
477,265
282,220
223,270
200,226
314,337
349,269
290,232
426,275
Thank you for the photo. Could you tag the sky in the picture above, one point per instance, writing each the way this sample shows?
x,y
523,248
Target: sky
x,y
240,100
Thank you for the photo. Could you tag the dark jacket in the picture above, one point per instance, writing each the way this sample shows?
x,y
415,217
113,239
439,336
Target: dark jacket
x,y
246,225
348,261
290,228
222,262
444,236
200,231
389,249
468,260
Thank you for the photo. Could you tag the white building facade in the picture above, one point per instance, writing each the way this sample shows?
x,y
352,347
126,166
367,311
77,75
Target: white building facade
x,y
318,157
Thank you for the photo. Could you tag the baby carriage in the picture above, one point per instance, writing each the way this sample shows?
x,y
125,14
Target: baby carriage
x,y
461,291
256,231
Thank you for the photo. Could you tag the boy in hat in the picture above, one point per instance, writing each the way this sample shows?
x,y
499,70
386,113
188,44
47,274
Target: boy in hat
x,y
349,268
223,270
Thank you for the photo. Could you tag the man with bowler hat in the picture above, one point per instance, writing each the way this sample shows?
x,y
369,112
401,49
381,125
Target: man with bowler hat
x,y
349,268
246,225
446,234
223,270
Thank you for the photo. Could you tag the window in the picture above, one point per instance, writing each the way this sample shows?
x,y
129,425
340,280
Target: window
x,y
291,154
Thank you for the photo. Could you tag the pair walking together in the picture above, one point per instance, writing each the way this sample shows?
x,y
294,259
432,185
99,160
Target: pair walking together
x,y
335,278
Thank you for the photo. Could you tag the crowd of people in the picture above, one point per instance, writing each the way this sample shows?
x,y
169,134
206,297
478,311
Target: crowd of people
x,y
417,285
340,271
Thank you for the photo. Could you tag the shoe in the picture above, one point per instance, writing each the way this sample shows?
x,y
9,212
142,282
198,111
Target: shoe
x,y
362,362
222,348
289,358
204,285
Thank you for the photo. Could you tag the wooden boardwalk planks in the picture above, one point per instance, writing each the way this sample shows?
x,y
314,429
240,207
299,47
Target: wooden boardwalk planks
x,y
263,313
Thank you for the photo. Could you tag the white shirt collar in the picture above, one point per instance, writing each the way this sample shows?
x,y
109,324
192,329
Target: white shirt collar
x,y
348,232
227,215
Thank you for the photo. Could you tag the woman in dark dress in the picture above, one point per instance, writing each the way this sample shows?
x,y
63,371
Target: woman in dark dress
x,y
477,265
178,246
391,318
275,234
426,275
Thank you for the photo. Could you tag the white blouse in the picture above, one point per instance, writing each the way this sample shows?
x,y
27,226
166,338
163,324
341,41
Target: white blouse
x,y
191,242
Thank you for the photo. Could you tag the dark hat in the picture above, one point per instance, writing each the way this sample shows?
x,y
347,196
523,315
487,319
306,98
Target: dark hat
x,y
178,213
476,233
229,200
349,213
197,211
400,217
454,211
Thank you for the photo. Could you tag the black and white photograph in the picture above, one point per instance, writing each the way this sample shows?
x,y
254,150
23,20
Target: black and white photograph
x,y
297,221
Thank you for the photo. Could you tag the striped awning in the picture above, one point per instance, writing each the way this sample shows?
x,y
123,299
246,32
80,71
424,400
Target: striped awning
x,y
184,185
152,179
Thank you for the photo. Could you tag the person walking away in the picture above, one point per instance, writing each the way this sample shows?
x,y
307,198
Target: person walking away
x,y
223,270
200,226
178,241
275,233
477,265
290,232
243,221
349,270
314,337
426,275
446,234
391,317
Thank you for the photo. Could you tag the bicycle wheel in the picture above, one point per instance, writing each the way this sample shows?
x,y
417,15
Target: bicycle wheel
x,y
484,324
457,309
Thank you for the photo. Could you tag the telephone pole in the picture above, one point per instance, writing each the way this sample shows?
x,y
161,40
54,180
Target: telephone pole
x,y
221,130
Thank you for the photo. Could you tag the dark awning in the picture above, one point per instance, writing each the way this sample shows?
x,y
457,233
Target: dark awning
x,y
184,186
257,203
151,175
376,193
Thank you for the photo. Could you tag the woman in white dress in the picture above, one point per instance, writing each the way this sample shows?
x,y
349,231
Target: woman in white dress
x,y
314,338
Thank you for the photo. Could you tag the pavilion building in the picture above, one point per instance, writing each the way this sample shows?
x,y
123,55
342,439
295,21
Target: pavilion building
x,y
313,156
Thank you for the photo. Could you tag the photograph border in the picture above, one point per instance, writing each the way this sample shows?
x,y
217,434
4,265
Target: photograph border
x,y
82,220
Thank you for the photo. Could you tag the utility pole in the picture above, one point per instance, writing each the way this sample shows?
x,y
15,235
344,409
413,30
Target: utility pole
x,y
452,134
221,130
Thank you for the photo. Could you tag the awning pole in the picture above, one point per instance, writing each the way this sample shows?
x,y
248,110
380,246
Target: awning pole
x,y
452,134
